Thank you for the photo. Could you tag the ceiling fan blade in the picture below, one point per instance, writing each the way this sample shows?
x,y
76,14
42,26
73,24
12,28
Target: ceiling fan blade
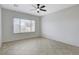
x,y
43,10
38,5
42,6
33,6
37,11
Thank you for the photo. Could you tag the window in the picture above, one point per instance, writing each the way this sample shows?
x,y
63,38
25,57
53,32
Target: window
x,y
23,25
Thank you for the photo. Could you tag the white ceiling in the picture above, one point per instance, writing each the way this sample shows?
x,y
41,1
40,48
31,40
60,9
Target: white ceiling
x,y
27,8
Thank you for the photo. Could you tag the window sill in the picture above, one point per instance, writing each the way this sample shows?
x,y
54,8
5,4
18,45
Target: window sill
x,y
23,32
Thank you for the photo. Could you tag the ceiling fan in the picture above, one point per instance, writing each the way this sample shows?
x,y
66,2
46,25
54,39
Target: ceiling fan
x,y
39,8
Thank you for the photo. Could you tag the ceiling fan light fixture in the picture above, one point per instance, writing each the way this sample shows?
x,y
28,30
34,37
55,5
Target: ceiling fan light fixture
x,y
37,9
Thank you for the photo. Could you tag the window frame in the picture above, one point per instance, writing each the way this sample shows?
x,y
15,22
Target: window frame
x,y
20,26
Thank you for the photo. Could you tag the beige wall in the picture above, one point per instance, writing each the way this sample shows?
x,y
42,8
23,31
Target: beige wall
x,y
62,26
7,25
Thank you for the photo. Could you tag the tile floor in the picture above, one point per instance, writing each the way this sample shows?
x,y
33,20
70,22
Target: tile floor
x,y
38,46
